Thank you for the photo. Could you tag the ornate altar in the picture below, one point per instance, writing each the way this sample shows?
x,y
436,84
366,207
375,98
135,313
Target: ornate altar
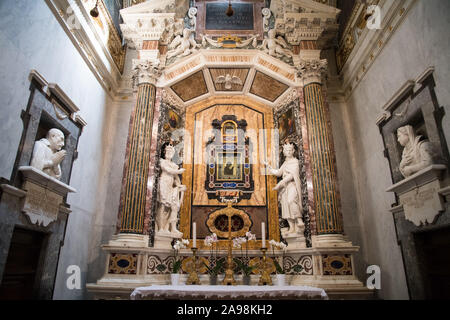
x,y
228,100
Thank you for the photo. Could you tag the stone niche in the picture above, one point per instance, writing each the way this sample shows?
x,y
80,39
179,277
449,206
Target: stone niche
x,y
422,199
33,207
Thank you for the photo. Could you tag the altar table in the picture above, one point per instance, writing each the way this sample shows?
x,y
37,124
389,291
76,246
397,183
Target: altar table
x,y
193,292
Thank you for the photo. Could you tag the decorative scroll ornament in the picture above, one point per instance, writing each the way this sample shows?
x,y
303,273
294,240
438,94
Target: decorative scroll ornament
x,y
218,222
312,70
145,71
266,18
192,14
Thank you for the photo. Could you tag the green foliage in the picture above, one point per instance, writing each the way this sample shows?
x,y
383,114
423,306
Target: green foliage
x,y
218,268
245,268
161,267
298,268
278,267
176,266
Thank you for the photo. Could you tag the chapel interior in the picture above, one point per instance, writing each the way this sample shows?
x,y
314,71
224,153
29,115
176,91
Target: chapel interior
x,y
297,144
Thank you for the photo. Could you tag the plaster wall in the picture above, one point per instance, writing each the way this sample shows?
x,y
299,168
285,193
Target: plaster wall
x,y
32,38
418,43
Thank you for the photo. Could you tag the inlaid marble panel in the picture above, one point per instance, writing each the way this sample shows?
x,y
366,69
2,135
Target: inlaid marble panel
x,y
198,124
266,87
203,132
191,87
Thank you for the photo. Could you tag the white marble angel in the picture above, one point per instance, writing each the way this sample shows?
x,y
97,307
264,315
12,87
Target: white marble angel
x,y
276,47
417,154
289,190
181,45
170,195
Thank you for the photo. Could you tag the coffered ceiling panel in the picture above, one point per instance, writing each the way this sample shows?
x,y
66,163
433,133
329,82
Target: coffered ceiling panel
x,y
267,87
192,87
227,79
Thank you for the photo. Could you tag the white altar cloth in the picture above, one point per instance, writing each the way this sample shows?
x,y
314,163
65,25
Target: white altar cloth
x,y
187,292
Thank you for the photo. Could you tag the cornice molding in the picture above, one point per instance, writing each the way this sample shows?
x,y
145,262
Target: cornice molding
x,y
76,22
372,43
304,20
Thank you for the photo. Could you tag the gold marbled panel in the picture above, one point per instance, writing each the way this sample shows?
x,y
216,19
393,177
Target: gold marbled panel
x,y
191,87
203,132
200,116
267,87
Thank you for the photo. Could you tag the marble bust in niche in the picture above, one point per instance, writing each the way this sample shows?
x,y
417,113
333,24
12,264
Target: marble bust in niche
x,y
47,154
417,153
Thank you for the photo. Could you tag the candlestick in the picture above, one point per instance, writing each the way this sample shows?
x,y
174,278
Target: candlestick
x,y
194,231
263,230
264,265
193,275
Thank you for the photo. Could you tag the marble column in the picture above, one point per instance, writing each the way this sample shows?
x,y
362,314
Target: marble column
x,y
328,216
140,136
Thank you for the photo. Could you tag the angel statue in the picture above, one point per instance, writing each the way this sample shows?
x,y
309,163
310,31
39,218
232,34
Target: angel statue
x,y
228,80
276,47
170,196
181,45
289,190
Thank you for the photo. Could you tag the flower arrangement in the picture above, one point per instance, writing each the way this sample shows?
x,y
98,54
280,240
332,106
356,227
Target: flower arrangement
x,y
243,264
176,248
279,246
215,266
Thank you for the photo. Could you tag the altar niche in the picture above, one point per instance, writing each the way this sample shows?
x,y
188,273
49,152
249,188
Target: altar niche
x,y
230,137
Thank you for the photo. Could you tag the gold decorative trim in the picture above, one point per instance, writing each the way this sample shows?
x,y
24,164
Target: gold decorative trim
x,y
256,262
114,268
114,42
188,265
223,212
272,197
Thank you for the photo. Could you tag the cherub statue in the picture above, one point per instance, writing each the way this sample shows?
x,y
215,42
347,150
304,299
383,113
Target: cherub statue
x,y
47,154
170,196
289,190
181,45
276,47
417,154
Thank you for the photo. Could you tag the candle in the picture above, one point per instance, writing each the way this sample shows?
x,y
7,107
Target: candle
x,y
263,231
194,231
